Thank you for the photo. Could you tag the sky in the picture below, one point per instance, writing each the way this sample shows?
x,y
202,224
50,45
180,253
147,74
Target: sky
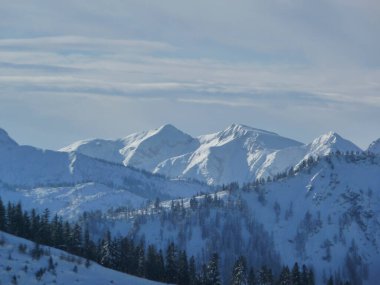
x,y
71,70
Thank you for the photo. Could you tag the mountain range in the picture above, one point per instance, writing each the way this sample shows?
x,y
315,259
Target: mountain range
x,y
237,154
71,183
315,203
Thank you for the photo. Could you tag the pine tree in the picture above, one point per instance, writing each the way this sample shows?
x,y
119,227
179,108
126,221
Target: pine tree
x,y
192,271
239,272
150,266
76,237
44,227
311,277
265,276
212,271
285,276
171,264
26,225
106,250
2,216
160,266
251,277
305,275
296,277
183,268
35,226
140,260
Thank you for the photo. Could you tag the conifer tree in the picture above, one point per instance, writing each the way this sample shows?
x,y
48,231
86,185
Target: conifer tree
x,y
212,271
296,276
192,271
251,277
239,272
140,260
265,276
171,264
183,268
285,276
305,275
2,216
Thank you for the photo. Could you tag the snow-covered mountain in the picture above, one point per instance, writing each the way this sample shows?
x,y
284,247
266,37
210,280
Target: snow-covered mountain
x,y
18,267
325,215
143,150
281,160
70,183
237,154
375,147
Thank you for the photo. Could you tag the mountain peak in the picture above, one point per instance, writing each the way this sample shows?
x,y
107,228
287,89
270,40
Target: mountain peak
x,y
330,137
5,139
170,132
168,128
375,147
331,142
243,129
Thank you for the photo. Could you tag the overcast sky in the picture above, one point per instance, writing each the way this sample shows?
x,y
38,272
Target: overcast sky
x,y
73,69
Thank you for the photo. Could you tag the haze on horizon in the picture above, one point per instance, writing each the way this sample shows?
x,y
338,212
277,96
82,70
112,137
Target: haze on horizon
x,y
78,69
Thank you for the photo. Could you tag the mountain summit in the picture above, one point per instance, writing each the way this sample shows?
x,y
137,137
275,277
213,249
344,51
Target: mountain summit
x,y
331,142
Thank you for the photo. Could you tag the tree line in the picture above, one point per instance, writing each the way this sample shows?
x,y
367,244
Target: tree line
x,y
137,258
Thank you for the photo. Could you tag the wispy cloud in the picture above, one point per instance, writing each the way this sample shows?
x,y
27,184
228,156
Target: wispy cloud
x,y
270,56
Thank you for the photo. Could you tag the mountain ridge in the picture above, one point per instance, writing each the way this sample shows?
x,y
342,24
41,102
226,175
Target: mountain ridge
x,y
237,154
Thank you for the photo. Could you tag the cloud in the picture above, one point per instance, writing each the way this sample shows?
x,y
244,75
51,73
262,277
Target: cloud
x,y
274,56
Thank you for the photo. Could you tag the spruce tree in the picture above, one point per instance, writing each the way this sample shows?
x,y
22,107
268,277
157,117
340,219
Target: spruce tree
x,y
171,264
251,277
305,275
140,260
192,271
183,269
296,276
285,276
213,274
2,216
160,266
239,272
311,277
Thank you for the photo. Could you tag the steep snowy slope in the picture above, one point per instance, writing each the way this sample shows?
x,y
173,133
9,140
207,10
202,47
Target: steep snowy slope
x,y
20,268
282,160
375,147
142,150
230,155
327,215
71,183
237,154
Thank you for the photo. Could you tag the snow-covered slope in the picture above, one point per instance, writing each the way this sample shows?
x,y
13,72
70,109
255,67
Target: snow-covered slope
x,y
142,150
72,182
227,156
17,267
280,161
375,147
237,154
326,216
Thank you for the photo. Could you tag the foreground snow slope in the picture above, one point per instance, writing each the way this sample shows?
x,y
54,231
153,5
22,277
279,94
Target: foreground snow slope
x,y
327,215
20,266
72,182
236,154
